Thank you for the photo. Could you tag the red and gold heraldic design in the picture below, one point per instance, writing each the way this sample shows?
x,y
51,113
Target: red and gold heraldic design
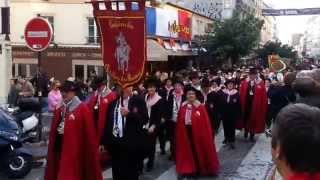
x,y
122,26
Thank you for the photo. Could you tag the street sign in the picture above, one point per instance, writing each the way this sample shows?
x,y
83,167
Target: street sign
x,y
38,34
290,12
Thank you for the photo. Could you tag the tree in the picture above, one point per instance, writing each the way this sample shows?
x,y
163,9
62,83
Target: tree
x,y
234,38
278,48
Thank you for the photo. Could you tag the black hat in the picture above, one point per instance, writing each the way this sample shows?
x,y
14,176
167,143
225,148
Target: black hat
x,y
177,81
190,88
216,80
253,70
98,81
205,82
68,86
152,82
194,75
228,81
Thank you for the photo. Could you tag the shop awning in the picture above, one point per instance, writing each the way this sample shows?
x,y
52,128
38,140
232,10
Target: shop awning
x,y
157,52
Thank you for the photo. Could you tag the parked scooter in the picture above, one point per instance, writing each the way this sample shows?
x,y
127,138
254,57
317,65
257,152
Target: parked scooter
x,y
25,116
16,161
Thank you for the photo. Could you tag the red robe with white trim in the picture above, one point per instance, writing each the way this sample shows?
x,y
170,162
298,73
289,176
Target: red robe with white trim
x,y
101,122
203,139
78,157
257,120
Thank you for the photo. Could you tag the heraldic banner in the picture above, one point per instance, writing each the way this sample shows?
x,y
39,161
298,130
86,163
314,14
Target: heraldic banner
x,y
122,26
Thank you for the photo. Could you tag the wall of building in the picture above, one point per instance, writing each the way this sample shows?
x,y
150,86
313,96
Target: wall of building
x,y
312,38
70,19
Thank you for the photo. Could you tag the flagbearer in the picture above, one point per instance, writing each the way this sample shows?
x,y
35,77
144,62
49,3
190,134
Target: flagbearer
x,y
98,104
124,136
254,101
73,146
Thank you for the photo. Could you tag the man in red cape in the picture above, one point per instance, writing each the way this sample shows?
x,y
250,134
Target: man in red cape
x,y
98,104
195,149
73,146
254,101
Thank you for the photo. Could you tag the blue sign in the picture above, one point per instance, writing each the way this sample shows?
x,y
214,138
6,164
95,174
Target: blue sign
x,y
151,21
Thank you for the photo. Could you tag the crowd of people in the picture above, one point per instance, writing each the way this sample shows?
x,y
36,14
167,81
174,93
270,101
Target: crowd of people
x,y
123,125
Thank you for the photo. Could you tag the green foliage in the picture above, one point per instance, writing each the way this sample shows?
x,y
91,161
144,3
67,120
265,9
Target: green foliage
x,y
283,50
235,37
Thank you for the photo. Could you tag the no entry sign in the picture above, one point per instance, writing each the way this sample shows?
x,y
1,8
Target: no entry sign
x,y
38,34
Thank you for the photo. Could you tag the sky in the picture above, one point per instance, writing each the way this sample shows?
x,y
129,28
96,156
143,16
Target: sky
x,y
292,24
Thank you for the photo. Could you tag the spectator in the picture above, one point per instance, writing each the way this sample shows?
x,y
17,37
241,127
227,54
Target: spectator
x,y
27,89
296,142
14,92
54,97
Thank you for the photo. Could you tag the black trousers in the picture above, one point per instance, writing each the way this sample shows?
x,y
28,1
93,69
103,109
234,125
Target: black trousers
x,y
229,128
124,164
171,129
162,136
152,152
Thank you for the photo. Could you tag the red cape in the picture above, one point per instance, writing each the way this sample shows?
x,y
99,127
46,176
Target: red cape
x,y
103,109
204,146
256,122
304,177
79,159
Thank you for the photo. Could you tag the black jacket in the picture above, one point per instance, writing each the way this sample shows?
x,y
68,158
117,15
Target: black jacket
x,y
168,108
133,135
232,109
213,103
157,112
280,96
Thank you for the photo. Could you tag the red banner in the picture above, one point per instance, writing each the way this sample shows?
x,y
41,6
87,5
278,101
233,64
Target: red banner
x,y
184,24
123,32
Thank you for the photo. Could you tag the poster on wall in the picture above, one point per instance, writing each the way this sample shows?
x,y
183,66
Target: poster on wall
x,y
122,27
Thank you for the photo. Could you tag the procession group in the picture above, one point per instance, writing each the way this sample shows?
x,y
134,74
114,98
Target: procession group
x,y
123,125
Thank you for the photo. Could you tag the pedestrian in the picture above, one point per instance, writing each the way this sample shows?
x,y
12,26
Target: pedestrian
x,y
54,96
73,146
254,101
196,84
296,142
155,112
27,89
123,135
13,95
164,92
195,149
230,112
98,105
307,84
213,104
175,100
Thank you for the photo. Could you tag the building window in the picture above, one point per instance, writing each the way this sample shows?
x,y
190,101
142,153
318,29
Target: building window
x,y
93,37
51,21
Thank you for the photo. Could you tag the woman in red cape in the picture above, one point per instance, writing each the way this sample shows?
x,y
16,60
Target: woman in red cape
x,y
254,114
73,146
195,149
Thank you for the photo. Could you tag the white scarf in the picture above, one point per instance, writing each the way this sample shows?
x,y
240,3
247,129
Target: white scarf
x,y
188,115
119,120
150,101
229,93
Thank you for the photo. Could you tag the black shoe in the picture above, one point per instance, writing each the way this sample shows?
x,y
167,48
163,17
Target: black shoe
x,y
149,168
246,135
252,138
232,146
224,142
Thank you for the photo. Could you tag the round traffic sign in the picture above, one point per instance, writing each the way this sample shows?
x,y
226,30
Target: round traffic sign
x,y
38,34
